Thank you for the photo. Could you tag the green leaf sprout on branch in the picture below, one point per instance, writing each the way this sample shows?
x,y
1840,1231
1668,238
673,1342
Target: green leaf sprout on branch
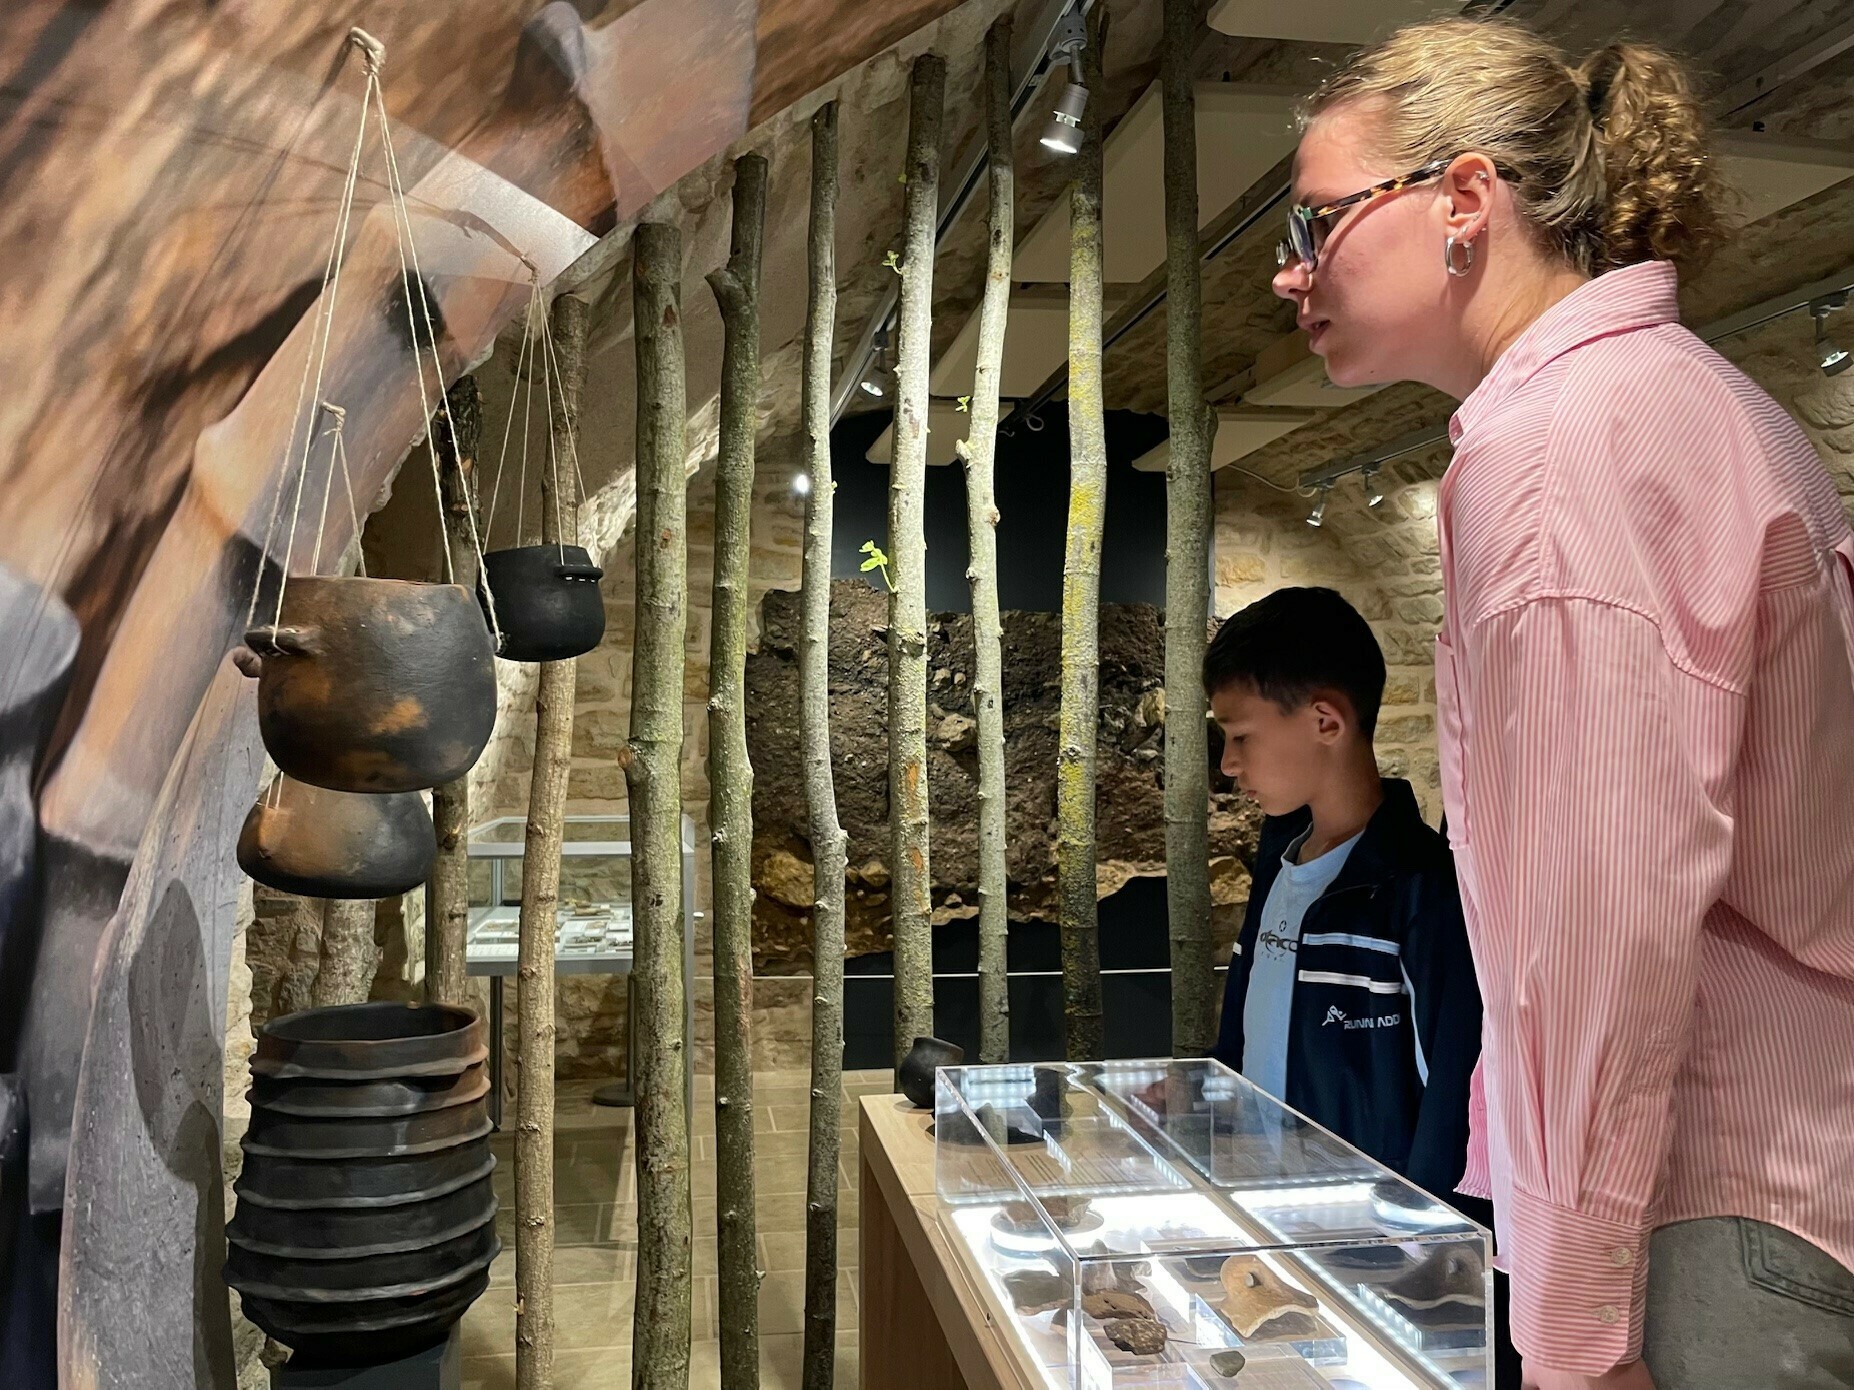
x,y
878,559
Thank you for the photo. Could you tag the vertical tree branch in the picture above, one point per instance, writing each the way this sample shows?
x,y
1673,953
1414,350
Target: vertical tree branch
x,y
979,449
447,895
1187,552
912,899
730,779
540,908
652,763
350,955
1081,588
829,844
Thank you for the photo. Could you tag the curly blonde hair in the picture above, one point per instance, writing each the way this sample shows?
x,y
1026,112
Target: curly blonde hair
x,y
1610,160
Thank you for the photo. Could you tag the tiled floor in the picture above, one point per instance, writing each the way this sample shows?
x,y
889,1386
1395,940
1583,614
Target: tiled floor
x,y
595,1259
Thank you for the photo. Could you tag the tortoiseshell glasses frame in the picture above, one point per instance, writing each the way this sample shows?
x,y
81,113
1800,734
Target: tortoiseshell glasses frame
x,y
1308,226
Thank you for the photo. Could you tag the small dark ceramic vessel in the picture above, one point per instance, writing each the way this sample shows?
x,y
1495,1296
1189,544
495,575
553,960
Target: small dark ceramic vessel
x,y
923,1059
375,685
548,604
328,844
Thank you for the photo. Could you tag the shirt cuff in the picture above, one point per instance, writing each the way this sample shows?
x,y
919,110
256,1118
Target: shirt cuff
x,y
1578,1286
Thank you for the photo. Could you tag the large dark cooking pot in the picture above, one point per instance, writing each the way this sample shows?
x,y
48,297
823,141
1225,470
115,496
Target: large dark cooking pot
x,y
328,844
547,601
375,685
366,1206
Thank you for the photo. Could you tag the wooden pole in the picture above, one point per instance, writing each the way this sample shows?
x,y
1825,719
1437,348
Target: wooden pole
x,y
1081,588
652,763
912,899
447,895
829,844
350,956
736,288
1187,557
979,449
540,900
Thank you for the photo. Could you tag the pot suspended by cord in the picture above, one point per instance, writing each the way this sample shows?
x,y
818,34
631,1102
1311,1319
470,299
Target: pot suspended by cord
x,y
375,685
547,601
327,844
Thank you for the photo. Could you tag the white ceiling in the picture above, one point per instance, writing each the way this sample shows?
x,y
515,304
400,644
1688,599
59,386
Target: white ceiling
x,y
1036,342
1239,432
1773,173
1243,130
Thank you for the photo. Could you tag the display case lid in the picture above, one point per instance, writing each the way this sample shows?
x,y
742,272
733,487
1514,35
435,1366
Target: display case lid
x,y
1054,1138
504,837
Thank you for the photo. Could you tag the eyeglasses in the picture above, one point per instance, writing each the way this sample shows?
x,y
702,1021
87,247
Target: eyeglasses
x,y
1308,226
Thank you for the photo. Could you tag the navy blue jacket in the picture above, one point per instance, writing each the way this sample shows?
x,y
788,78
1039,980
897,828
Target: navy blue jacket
x,y
1385,1024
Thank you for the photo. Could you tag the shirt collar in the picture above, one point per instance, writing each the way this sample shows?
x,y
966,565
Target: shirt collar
x,y
1634,296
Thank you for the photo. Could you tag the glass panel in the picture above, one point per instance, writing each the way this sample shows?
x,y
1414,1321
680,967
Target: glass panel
x,y
1212,1231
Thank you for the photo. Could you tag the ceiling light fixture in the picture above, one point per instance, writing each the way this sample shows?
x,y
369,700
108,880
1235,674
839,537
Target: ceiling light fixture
x,y
1830,356
1317,516
1373,493
1063,133
875,381
801,484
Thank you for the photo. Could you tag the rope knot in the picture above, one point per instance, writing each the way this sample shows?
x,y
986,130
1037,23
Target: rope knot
x,y
372,50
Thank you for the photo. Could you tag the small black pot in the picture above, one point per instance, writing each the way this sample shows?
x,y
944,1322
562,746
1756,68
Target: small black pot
x,y
547,601
923,1059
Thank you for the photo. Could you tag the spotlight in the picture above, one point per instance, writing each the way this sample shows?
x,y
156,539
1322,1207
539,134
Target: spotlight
x,y
1318,515
1830,356
1373,493
801,484
875,382
1063,133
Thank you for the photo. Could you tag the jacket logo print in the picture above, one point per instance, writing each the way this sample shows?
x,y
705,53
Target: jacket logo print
x,y
1279,945
1333,1015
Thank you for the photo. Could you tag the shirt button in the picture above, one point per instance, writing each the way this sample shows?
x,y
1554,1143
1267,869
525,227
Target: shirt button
x,y
1607,1315
1622,1257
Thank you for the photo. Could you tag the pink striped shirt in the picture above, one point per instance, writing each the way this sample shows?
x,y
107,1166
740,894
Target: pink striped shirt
x,y
1645,686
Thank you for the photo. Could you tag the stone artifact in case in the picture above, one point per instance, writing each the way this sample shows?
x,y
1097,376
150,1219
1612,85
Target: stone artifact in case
x,y
1164,1223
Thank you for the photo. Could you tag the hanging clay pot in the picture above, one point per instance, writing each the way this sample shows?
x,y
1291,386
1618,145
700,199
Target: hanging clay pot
x,y
923,1059
375,685
326,844
547,601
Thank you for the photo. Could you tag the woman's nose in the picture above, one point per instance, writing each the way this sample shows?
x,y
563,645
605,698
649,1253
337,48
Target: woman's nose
x,y
1232,766
1293,279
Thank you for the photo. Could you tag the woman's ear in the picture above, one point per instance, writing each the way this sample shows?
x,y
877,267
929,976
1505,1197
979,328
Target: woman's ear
x,y
1467,188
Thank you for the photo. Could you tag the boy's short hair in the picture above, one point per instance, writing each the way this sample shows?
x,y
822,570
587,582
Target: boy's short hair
x,y
1295,642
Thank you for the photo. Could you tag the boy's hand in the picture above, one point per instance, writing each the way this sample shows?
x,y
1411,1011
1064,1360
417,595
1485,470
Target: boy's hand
x,y
1633,1376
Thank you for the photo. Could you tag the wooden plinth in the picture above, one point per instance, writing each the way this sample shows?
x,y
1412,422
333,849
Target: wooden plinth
x,y
929,1322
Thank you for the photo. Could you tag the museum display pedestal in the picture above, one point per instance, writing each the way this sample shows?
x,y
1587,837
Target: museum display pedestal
x,y
1151,1222
927,1323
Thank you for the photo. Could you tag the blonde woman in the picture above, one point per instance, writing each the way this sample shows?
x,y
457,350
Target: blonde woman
x,y
1646,692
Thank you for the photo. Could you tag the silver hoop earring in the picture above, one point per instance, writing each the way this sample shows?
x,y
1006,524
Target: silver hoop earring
x,y
1448,256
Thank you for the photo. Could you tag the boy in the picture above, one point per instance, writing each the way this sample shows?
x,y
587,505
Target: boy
x,y
1351,995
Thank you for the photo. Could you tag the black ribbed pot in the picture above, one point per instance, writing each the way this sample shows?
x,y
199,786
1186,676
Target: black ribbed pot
x,y
326,844
923,1059
366,1213
547,601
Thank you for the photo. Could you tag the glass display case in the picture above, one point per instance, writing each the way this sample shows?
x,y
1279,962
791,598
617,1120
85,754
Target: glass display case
x,y
1164,1223
593,925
